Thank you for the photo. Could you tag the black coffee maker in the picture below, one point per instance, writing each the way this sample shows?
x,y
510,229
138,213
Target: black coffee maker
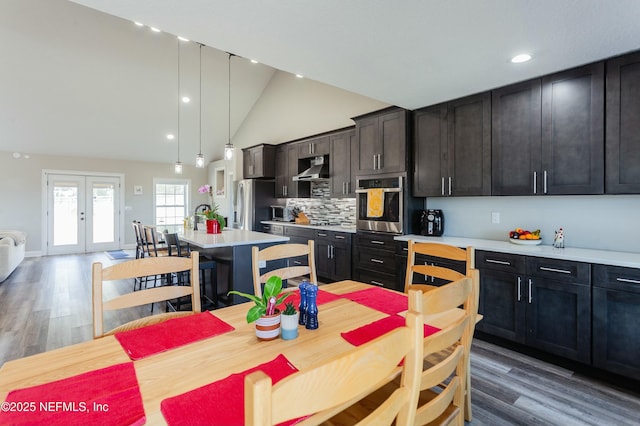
x,y
432,223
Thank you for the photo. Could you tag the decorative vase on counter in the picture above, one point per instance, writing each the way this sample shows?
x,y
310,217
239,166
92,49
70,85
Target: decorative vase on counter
x,y
213,226
268,326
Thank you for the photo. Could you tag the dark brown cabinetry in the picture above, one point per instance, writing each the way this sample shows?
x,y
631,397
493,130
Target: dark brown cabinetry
x,y
382,141
452,148
259,162
333,255
622,125
421,259
343,152
616,309
299,236
313,147
273,229
543,303
374,259
286,167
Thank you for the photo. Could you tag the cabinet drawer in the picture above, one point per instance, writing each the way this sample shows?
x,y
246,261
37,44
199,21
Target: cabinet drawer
x,y
617,278
377,241
273,229
376,260
292,231
500,262
559,270
377,278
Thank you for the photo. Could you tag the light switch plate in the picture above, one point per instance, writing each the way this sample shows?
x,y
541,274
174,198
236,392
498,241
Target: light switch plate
x,y
495,217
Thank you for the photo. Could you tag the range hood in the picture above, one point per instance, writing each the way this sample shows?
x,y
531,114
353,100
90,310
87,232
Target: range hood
x,y
318,170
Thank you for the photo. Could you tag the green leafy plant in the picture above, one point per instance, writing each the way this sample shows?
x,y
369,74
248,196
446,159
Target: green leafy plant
x,y
272,288
289,309
213,214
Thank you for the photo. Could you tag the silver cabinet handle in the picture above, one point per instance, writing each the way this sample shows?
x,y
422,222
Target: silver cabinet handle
x,y
339,237
530,295
297,262
328,252
450,179
376,283
544,182
321,234
405,249
519,289
377,242
561,271
499,262
627,280
333,252
535,182
374,162
377,261
379,162
442,187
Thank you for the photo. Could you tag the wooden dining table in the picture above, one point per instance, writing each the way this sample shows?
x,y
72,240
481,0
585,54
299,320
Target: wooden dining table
x,y
188,367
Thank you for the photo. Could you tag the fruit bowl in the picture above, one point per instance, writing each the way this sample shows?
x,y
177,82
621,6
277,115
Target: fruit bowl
x,y
526,242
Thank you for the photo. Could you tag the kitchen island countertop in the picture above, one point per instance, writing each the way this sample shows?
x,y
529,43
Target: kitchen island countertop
x,y
229,237
605,257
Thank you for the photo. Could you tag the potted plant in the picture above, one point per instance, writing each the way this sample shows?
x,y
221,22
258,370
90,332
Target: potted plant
x,y
289,322
213,213
264,312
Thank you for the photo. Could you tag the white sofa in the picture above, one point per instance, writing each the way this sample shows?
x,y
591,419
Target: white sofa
x,y
11,251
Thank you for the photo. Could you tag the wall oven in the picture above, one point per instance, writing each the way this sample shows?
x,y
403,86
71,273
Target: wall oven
x,y
379,204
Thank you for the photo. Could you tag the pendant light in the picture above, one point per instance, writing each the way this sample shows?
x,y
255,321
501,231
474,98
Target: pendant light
x,y
228,148
200,157
178,165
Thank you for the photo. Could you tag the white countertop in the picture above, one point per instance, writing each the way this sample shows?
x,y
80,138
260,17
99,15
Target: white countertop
x,y
337,228
228,237
605,257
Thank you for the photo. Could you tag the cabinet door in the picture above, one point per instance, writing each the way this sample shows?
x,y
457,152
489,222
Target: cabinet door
x,y
469,148
622,125
323,258
340,164
282,171
559,318
515,141
393,135
429,151
314,147
572,131
248,168
369,144
502,304
341,262
292,164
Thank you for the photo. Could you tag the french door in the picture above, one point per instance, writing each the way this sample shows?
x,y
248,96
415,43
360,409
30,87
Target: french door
x,y
83,213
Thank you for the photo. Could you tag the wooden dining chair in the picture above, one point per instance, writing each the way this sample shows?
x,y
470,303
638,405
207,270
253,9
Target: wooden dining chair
x,y
291,254
451,253
325,389
151,241
137,268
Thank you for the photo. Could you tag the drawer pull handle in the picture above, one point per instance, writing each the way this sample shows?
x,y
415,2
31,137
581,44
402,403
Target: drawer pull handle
x,y
627,280
320,234
561,271
376,283
339,237
377,261
377,242
499,262
405,249
297,262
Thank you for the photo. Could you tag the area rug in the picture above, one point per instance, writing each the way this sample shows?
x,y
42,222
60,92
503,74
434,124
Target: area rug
x,y
118,254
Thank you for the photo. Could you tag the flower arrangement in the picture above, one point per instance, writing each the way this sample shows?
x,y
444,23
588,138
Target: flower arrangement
x,y
265,305
213,213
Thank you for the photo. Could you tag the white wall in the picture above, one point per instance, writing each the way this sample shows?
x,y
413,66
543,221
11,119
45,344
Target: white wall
x,y
607,222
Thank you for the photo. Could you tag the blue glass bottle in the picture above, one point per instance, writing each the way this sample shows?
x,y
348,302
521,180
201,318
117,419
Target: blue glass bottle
x,y
312,307
302,318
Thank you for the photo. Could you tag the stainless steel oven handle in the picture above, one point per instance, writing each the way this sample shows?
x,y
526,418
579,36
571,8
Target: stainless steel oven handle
x,y
364,191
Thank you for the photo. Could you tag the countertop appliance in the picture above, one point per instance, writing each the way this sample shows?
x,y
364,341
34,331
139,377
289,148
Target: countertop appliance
x,y
253,202
432,223
281,213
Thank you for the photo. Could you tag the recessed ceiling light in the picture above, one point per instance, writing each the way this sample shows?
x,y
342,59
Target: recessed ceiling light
x,y
253,61
170,136
155,30
299,76
140,24
182,38
186,99
524,57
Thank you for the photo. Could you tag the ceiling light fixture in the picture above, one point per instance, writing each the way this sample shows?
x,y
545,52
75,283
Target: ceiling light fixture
x,y
253,61
186,99
228,148
299,76
518,59
178,165
171,136
200,157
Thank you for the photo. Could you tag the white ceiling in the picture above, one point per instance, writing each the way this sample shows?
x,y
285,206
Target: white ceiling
x,y
410,53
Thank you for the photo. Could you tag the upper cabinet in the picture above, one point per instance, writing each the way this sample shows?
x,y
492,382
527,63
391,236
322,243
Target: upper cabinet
x,y
314,147
343,153
623,125
286,162
452,148
259,162
382,141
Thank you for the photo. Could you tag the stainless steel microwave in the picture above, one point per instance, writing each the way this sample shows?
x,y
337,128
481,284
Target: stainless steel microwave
x,y
281,214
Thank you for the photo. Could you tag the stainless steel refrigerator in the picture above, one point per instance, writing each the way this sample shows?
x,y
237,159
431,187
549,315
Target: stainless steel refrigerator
x,y
253,203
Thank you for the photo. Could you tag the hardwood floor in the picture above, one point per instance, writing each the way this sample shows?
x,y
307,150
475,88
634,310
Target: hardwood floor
x,y
46,304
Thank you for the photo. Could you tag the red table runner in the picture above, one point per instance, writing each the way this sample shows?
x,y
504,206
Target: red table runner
x,y
221,402
323,297
108,396
156,338
389,302
366,333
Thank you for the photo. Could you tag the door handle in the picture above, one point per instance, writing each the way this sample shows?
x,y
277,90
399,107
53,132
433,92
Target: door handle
x,y
530,295
535,183
442,188
544,183
519,289
450,179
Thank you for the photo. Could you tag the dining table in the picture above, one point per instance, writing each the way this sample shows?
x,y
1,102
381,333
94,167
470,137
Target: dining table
x,y
178,376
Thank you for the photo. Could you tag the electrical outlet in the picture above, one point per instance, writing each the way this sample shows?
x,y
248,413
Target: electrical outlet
x,y
495,217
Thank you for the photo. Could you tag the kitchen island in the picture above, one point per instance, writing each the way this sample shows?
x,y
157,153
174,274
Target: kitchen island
x,y
231,249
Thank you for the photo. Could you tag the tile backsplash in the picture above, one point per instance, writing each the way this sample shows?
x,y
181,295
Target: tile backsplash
x,y
334,211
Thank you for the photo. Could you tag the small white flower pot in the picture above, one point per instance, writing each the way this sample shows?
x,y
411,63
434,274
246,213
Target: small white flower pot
x,y
289,325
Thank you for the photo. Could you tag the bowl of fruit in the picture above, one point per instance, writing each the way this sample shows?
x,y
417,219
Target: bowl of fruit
x,y
524,237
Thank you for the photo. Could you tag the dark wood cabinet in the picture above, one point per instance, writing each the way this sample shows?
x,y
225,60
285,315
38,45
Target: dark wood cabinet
x,y
299,235
622,138
313,147
286,167
340,159
573,131
516,139
543,303
421,259
382,141
259,162
452,148
374,259
273,229
616,309
333,255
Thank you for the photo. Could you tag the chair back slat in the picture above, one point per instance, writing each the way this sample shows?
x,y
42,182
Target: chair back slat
x,y
288,252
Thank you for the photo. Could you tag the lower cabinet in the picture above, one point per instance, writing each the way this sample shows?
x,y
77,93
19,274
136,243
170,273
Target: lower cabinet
x,y
375,259
299,236
616,310
333,255
421,259
543,303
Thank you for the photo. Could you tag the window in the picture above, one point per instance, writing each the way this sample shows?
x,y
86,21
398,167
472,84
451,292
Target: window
x,y
171,202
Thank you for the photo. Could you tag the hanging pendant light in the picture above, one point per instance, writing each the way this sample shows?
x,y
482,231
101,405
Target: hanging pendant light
x,y
228,148
178,165
200,157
